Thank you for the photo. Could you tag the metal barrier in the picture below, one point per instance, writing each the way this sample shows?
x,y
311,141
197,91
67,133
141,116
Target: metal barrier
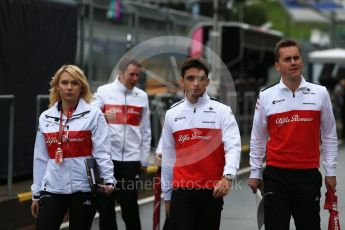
x,y
249,101
11,98
39,99
244,111
158,107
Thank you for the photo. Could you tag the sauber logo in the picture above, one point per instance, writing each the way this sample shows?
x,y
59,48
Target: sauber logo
x,y
194,136
294,118
277,101
306,91
179,118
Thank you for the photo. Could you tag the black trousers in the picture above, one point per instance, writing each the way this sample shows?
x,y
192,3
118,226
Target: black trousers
x,y
195,209
290,192
125,193
167,224
53,207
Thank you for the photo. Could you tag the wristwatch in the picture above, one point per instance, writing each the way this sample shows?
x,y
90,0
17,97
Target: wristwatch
x,y
229,176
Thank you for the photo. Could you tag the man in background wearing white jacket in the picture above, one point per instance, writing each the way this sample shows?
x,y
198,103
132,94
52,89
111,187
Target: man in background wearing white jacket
x,y
126,109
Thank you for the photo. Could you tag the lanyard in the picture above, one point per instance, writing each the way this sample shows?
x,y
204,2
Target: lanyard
x,y
62,126
59,152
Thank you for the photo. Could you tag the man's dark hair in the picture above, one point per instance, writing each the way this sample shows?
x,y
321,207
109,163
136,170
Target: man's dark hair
x,y
194,63
126,62
283,44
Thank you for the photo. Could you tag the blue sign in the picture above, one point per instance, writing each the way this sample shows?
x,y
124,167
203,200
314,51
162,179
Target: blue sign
x,y
323,5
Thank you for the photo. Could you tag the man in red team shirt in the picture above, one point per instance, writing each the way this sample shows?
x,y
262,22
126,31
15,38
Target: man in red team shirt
x,y
294,114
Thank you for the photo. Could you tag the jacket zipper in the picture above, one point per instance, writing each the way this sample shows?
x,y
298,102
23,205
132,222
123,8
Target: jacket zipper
x,y
67,141
124,128
67,137
293,99
66,126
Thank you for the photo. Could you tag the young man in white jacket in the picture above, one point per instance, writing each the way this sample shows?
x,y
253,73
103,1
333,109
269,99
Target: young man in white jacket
x,y
201,153
126,109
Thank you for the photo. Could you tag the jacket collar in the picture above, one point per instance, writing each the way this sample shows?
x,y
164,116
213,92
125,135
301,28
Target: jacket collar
x,y
119,86
201,100
82,107
303,84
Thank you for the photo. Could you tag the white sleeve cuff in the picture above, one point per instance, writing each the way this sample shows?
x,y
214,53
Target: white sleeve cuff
x,y
167,195
144,163
256,173
330,171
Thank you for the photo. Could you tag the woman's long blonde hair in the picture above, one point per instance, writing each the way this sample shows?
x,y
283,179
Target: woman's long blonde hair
x,y
77,74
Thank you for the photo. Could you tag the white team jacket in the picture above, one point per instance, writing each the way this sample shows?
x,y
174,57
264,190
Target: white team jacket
x,y
200,143
85,136
130,131
294,123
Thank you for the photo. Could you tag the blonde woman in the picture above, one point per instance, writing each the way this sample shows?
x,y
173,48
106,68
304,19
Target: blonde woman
x,y
70,131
